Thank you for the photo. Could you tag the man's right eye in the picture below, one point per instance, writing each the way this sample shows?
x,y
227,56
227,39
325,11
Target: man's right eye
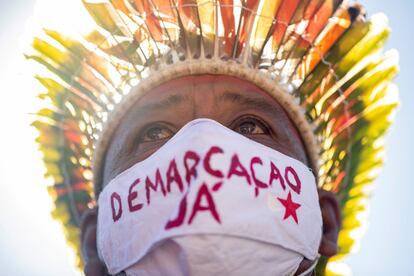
x,y
155,133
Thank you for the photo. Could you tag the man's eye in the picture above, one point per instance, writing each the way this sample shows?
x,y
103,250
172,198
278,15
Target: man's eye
x,y
156,133
251,127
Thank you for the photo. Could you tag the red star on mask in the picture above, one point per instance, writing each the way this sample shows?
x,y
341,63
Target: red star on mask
x,y
290,207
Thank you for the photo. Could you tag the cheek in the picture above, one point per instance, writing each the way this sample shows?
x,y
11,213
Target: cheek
x,y
290,128
296,145
295,149
288,145
293,141
300,153
127,156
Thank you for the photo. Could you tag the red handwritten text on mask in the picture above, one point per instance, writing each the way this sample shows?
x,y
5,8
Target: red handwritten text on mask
x,y
172,181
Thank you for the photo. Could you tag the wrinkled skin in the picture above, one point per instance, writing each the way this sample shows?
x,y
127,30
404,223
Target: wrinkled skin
x,y
236,104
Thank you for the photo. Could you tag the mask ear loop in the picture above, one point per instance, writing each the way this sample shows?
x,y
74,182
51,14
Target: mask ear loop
x,y
311,268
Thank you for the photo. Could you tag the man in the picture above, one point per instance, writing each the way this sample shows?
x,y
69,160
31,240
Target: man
x,y
195,64
235,103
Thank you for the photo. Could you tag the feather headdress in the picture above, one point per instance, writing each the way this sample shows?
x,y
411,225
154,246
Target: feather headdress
x,y
321,58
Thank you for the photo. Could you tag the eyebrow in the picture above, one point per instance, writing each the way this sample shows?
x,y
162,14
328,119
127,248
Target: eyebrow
x,y
249,102
228,96
166,103
260,103
163,104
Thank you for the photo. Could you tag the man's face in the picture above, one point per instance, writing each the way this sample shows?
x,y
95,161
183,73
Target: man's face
x,y
236,104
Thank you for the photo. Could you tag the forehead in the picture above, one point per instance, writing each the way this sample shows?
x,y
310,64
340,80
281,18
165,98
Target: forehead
x,y
210,95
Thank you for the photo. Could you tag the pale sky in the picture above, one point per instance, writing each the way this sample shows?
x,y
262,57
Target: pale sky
x,y
31,243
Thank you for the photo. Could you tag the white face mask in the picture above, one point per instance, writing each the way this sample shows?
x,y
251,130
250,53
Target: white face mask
x,y
210,202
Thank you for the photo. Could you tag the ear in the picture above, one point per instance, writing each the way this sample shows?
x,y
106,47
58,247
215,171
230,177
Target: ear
x,y
92,264
331,216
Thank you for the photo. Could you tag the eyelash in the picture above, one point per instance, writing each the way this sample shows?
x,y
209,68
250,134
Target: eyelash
x,y
146,128
236,123
251,118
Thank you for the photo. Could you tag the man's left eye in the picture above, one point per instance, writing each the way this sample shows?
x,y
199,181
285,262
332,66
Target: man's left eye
x,y
250,126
